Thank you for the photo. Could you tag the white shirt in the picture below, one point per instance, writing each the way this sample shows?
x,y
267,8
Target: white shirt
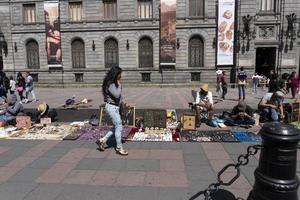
x,y
204,99
12,84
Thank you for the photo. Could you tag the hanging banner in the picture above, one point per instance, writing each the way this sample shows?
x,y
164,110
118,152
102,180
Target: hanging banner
x,y
53,36
168,32
226,23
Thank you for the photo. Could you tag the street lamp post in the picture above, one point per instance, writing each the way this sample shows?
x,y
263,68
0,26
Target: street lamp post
x,y
247,34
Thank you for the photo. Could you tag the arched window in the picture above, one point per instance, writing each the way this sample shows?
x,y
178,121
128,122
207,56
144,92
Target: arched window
x,y
145,53
196,52
78,55
32,50
111,52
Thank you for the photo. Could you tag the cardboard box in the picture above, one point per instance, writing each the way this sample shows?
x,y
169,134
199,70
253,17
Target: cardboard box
x,y
188,122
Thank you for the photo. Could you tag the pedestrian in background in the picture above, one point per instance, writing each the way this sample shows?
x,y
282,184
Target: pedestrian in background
x,y
29,88
242,81
219,89
6,84
20,85
12,85
274,83
224,84
294,80
255,81
112,93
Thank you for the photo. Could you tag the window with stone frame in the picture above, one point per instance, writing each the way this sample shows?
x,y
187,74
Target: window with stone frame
x,y
75,11
78,54
196,52
79,77
267,5
35,77
196,8
111,53
195,76
146,77
29,13
110,9
32,52
145,53
144,9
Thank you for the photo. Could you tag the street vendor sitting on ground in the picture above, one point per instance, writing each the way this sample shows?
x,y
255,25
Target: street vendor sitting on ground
x,y
13,109
271,107
241,115
204,104
44,111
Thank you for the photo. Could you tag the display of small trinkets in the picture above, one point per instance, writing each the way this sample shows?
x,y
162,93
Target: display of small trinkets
x,y
153,134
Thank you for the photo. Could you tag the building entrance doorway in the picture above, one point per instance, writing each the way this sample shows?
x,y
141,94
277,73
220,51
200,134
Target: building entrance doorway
x,y
265,60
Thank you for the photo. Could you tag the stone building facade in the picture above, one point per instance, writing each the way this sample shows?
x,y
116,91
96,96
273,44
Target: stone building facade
x,y
97,33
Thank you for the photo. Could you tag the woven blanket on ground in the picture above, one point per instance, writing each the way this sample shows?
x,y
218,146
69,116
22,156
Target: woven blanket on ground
x,y
50,132
245,136
207,136
94,133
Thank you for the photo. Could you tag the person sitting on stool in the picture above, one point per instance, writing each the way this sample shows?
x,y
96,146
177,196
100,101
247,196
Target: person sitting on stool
x,y
204,103
271,106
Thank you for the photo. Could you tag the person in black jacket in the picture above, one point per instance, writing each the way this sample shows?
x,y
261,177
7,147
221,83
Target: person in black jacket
x,y
20,85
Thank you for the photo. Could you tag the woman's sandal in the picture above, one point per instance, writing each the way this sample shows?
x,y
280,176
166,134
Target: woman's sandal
x,y
121,151
101,145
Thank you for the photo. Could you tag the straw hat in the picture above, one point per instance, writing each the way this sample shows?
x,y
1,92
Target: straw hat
x,y
42,108
204,87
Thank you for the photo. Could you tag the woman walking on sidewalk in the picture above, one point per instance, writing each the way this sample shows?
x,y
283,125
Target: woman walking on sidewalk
x,y
20,85
111,90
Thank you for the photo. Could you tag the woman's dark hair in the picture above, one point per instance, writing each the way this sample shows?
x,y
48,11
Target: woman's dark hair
x,y
111,77
242,68
19,74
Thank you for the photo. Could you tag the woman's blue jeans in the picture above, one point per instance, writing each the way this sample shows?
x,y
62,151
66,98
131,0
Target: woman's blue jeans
x,y
241,91
114,113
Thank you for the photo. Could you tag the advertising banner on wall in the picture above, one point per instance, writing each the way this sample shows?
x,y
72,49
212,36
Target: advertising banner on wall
x,y
53,36
226,23
167,32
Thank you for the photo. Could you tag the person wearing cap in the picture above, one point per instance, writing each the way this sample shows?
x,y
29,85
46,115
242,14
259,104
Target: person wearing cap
x,y
14,108
271,106
241,114
204,103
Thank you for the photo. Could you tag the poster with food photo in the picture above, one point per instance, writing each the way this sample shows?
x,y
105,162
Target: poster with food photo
x,y
225,31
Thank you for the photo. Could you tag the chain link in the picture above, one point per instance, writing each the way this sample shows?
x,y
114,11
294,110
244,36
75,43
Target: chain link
x,y
241,161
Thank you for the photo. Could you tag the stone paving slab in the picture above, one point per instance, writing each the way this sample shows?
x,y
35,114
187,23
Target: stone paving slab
x,y
166,171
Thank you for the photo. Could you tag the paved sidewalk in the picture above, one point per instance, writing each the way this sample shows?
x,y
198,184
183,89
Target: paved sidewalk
x,y
72,170
143,97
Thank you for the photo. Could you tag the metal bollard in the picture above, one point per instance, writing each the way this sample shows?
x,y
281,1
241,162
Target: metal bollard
x,y
275,176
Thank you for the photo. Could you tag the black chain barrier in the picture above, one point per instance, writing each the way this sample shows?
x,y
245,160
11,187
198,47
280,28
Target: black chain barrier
x,y
242,161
